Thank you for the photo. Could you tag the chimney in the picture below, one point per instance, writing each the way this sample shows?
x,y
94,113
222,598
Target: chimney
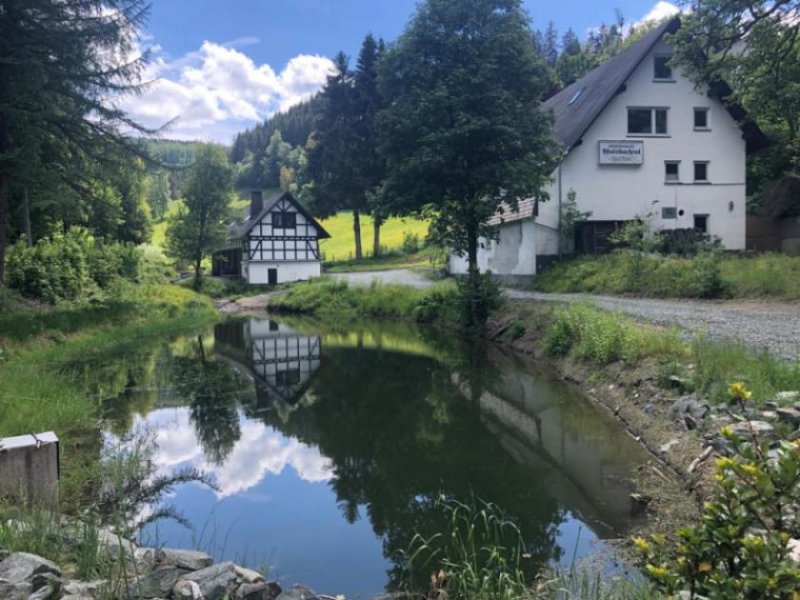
x,y
256,203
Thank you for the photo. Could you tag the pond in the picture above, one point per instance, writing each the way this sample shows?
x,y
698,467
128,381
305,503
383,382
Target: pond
x,y
328,449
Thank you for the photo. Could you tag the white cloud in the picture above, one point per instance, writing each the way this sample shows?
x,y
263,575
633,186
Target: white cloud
x,y
661,10
260,451
218,90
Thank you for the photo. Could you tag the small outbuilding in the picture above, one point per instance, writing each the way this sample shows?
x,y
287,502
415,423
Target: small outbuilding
x,y
278,242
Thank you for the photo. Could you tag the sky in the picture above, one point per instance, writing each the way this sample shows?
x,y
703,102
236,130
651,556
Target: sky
x,y
221,66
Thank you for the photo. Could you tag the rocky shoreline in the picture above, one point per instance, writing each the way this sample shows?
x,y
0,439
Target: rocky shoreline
x,y
145,574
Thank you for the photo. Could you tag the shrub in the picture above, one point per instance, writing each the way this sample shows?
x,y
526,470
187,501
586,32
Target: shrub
x,y
740,548
410,243
70,266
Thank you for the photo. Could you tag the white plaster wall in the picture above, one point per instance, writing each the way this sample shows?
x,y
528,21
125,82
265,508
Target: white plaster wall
x,y
513,254
622,192
257,272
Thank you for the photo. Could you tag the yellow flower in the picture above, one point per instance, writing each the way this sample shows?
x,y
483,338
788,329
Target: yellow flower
x,y
704,567
641,544
750,469
738,391
657,572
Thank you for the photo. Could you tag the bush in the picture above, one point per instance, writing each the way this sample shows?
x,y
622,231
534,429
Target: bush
x,y
740,548
70,266
411,243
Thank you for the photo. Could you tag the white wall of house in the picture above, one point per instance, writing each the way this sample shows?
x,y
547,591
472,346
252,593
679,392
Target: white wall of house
x,y
622,192
513,254
288,271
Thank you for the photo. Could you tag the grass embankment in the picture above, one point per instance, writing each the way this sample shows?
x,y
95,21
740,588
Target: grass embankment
x,y
775,276
38,394
583,333
336,301
341,245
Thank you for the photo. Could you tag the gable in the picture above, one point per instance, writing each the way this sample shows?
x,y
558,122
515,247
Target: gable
x,y
282,210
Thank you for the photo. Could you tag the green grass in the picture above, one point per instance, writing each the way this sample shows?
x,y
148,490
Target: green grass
x,y
585,333
427,258
336,301
38,394
341,245
774,276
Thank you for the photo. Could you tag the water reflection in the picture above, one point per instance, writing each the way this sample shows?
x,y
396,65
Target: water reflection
x,y
297,424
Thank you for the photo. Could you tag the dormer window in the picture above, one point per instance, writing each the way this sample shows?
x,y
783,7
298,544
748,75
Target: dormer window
x,y
661,69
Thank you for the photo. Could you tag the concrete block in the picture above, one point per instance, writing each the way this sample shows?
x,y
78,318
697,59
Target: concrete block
x,y
29,468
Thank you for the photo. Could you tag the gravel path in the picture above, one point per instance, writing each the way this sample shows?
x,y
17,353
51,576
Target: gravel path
x,y
771,325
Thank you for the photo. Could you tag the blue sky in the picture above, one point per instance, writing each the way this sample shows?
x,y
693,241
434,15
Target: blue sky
x,y
224,65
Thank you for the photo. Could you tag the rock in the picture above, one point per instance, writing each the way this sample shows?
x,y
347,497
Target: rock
x,y
747,428
769,415
794,436
147,559
248,575
86,590
298,592
648,408
15,591
22,566
47,592
45,580
794,550
257,591
785,397
156,584
690,423
770,406
4,554
668,446
190,560
215,581
114,545
187,590
789,415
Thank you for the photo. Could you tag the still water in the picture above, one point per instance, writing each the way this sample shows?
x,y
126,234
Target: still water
x,y
327,449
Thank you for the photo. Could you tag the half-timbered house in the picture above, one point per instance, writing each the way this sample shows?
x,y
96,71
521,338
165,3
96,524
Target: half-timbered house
x,y
278,242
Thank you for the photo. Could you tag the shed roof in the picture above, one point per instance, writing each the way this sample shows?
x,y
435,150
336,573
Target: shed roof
x,y
506,214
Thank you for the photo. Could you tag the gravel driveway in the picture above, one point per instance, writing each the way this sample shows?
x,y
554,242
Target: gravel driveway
x,y
771,325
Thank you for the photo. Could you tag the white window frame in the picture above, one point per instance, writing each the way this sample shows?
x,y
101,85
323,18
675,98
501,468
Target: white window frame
x,y
677,164
694,171
706,110
671,78
653,110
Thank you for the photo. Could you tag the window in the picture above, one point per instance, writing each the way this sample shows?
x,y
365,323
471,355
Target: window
x,y
287,377
701,171
701,223
661,69
647,121
284,220
669,212
701,118
671,173
575,97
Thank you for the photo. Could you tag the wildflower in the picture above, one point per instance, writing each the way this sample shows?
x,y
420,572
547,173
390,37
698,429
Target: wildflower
x,y
704,567
641,544
657,572
738,391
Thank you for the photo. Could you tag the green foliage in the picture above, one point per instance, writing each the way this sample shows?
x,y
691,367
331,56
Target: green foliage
x,y
601,337
70,266
740,547
480,554
200,227
481,139
410,243
571,218
158,195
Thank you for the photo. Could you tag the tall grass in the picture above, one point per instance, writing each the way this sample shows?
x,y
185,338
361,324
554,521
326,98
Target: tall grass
x,y
590,334
761,276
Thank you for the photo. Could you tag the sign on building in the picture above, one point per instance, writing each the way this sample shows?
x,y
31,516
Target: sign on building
x,y
621,152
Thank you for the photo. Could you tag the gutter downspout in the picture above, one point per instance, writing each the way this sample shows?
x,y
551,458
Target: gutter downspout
x,y
560,235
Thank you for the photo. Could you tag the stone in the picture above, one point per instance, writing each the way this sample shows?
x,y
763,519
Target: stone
x,y
789,414
22,566
298,592
156,584
87,590
257,591
215,581
248,575
769,415
187,590
794,436
190,560
785,397
669,445
46,592
690,422
42,580
114,545
793,546
147,559
15,591
747,428
770,406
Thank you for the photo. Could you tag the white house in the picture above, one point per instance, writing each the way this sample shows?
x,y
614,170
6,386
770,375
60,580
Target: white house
x,y
639,139
277,243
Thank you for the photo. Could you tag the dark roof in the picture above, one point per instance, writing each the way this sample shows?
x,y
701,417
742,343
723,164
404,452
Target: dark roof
x,y
506,214
598,87
239,230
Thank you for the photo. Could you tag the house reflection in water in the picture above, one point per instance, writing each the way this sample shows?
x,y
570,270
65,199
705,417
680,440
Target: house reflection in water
x,y
280,361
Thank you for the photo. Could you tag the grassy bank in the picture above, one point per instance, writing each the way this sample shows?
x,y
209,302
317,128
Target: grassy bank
x,y
336,301
341,245
38,392
775,276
